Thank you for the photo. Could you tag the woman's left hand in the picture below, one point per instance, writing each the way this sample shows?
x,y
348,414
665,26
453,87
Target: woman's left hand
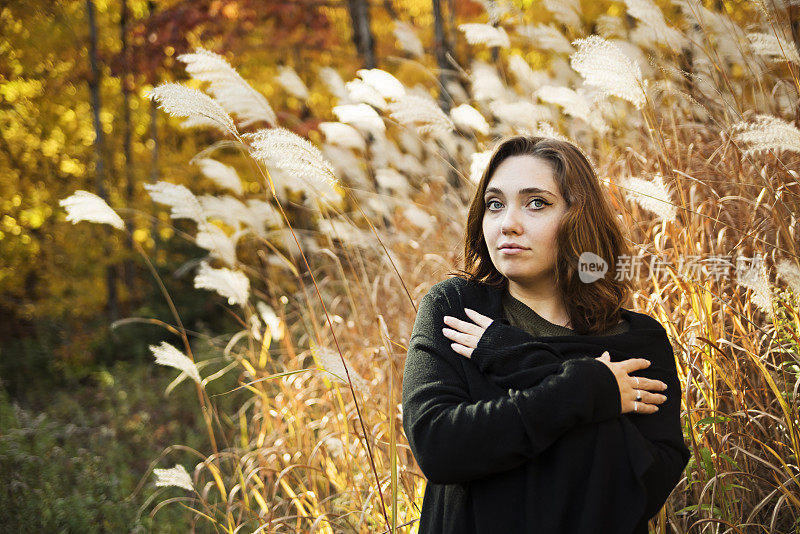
x,y
464,333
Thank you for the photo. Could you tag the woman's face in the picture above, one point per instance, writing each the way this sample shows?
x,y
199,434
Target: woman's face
x,y
523,208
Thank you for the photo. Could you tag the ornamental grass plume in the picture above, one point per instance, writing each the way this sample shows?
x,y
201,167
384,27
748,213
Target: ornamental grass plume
x,y
361,116
485,34
654,196
233,285
486,83
170,356
360,92
291,81
468,118
291,153
790,273
605,66
413,109
86,206
229,89
567,12
387,85
181,101
653,23
530,79
221,174
756,279
407,39
767,44
331,362
520,113
344,135
547,37
219,244
766,133
174,476
575,103
182,202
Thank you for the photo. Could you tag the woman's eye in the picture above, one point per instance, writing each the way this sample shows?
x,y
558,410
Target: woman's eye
x,y
489,204
540,200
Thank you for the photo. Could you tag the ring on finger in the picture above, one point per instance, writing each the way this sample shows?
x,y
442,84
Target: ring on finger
x,y
638,395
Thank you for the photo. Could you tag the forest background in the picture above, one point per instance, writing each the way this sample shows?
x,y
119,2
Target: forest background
x,y
701,161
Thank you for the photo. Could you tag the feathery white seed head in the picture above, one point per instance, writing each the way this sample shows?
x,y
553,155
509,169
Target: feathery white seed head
x,y
343,135
291,81
170,356
175,476
486,84
654,196
407,39
221,174
547,37
331,362
233,285
790,273
566,12
606,67
485,34
412,109
333,81
390,179
290,152
384,83
651,16
767,44
609,26
229,89
358,91
361,116
756,279
183,203
86,206
520,113
271,319
181,101
527,77
766,133
226,208
468,118
478,163
218,243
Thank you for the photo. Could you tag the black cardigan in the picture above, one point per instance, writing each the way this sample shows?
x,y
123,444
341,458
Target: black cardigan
x,y
527,435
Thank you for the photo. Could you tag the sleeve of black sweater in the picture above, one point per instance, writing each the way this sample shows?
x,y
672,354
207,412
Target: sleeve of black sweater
x,y
455,438
662,435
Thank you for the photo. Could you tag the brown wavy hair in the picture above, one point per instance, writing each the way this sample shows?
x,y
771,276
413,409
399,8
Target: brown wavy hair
x,y
588,225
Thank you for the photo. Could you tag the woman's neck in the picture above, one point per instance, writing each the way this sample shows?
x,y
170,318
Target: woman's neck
x,y
546,302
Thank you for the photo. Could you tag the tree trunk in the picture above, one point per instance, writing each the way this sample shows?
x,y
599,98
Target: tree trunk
x,y
441,48
129,265
154,173
99,148
362,31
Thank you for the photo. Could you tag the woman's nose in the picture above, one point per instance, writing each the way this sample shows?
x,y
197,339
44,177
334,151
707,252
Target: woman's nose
x,y
510,222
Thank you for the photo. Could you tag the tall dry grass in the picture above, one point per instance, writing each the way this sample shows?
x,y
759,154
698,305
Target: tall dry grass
x,y
690,121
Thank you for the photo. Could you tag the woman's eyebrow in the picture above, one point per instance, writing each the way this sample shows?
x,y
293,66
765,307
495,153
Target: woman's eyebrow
x,y
525,191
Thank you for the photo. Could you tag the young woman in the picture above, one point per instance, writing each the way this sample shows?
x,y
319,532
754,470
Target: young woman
x,y
533,401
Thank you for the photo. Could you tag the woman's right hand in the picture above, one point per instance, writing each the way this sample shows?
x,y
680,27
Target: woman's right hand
x,y
630,387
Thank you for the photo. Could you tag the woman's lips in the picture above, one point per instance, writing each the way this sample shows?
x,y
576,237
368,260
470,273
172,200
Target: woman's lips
x,y
512,250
